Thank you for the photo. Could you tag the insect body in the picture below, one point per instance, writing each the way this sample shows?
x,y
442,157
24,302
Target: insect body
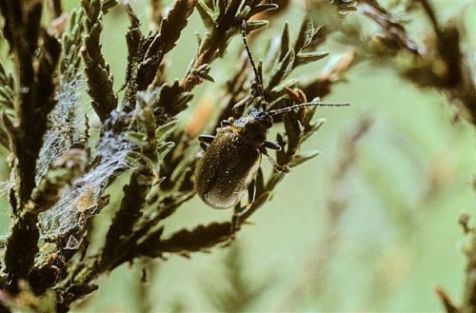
x,y
232,159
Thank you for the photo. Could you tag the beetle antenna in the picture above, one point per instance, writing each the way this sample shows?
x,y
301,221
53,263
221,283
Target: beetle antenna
x,y
306,104
258,83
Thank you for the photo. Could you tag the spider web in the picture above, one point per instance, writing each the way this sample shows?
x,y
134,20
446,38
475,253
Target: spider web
x,y
82,199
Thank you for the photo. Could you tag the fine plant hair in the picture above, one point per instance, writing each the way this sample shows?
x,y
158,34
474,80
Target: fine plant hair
x,y
61,174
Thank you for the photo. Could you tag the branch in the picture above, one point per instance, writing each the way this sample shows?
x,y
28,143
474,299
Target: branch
x,y
22,243
100,79
439,63
222,21
36,86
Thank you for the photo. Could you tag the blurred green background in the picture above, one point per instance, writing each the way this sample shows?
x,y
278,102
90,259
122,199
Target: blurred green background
x,y
394,241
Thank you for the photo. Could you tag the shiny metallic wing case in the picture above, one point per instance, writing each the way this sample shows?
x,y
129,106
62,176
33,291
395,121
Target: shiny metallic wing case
x,y
226,170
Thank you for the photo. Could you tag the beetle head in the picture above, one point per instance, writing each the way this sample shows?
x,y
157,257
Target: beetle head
x,y
254,126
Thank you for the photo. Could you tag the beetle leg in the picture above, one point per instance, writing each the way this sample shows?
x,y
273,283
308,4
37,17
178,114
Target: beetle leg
x,y
205,141
227,122
251,193
272,145
204,146
206,138
239,212
277,167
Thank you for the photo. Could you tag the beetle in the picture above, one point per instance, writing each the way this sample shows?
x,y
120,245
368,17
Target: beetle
x,y
232,157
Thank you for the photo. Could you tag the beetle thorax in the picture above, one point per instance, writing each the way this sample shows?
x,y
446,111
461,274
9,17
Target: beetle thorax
x,y
253,127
